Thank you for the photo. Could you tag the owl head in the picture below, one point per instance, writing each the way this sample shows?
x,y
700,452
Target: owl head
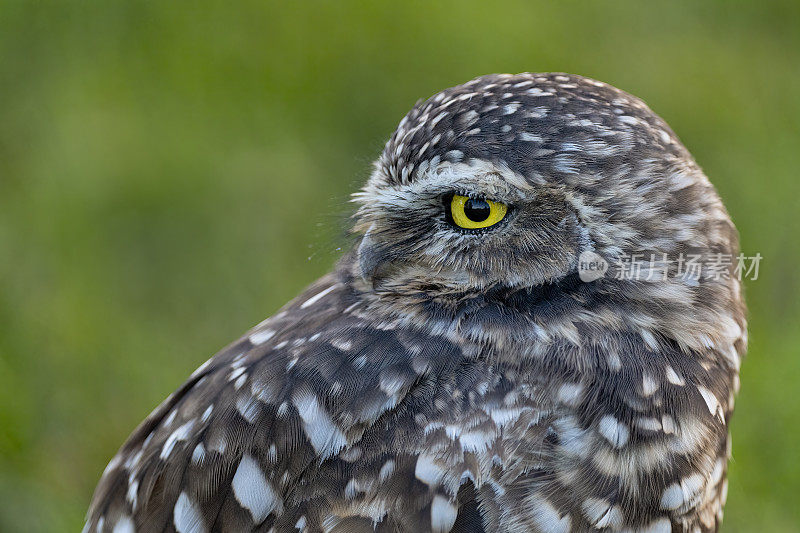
x,y
496,188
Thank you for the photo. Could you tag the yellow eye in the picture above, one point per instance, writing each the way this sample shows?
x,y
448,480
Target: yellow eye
x,y
476,213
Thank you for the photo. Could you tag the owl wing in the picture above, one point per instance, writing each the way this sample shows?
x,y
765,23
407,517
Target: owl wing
x,y
305,423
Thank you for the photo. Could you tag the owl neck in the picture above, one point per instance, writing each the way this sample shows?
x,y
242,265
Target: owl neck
x,y
567,315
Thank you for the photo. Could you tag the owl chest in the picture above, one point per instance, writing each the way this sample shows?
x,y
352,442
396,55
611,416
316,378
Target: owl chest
x,y
544,452
528,443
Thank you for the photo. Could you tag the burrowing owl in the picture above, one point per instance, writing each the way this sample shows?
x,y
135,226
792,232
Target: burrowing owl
x,y
454,372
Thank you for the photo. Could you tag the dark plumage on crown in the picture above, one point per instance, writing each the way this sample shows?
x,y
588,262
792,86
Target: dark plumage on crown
x,y
532,123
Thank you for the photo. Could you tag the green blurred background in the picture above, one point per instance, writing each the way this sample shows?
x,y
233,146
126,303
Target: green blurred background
x,y
172,173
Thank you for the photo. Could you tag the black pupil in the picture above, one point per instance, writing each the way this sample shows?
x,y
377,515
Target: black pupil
x,y
477,210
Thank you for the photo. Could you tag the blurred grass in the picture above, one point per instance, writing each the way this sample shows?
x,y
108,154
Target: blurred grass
x,y
167,169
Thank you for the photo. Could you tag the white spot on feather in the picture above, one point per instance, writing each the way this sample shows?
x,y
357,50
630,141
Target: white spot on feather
x,y
614,362
614,431
503,416
476,441
386,470
198,454
530,137
218,443
649,385
344,345
260,337
570,393
391,384
601,514
325,436
124,525
452,431
649,423
283,409
427,470
180,434
662,525
711,401
547,517
272,452
673,377
443,514
668,423
672,498
352,489
236,373
314,299
683,493
536,91
170,418
252,490
132,462
187,517
133,493
248,407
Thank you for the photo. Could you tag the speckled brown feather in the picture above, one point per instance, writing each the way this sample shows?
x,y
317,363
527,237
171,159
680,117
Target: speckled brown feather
x,y
441,380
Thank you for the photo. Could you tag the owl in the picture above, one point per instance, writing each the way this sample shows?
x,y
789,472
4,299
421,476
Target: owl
x,y
456,371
